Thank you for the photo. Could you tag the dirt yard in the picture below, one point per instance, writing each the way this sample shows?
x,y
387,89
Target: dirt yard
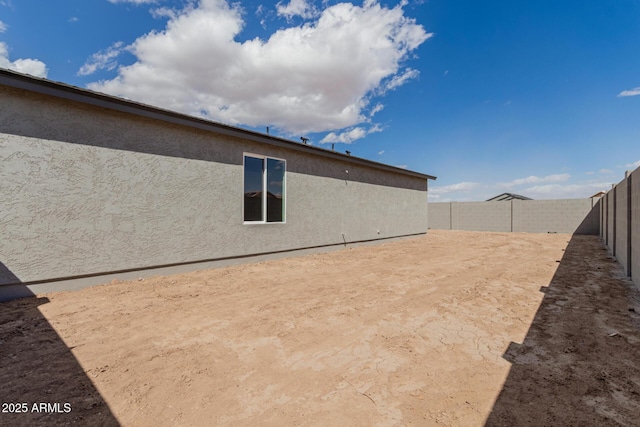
x,y
455,328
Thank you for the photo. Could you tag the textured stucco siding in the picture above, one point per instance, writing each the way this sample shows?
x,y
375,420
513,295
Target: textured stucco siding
x,y
484,216
621,225
439,216
87,190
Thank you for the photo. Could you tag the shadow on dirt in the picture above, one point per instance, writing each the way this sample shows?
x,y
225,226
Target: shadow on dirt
x,y
10,285
47,391
578,364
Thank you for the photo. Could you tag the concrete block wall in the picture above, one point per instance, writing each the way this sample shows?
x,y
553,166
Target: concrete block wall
x,y
482,216
605,214
439,215
602,212
531,216
634,225
610,226
621,224
555,216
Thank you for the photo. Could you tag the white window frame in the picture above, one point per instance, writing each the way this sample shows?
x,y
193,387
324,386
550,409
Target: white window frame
x,y
264,189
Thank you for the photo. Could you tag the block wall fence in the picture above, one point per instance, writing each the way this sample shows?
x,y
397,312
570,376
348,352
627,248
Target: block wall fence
x,y
620,218
576,216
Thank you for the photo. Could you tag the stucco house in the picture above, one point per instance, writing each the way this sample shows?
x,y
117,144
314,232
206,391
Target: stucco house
x,y
95,187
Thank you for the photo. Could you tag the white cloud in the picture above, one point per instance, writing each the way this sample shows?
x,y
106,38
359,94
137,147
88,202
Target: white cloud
x,y
164,12
554,188
350,136
375,128
399,80
26,66
73,19
606,171
376,109
3,27
132,1
633,165
105,59
319,76
589,173
633,92
454,188
345,137
567,191
380,153
402,166
534,180
296,8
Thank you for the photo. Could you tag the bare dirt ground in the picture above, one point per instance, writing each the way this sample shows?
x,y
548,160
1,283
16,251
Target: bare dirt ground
x,y
455,328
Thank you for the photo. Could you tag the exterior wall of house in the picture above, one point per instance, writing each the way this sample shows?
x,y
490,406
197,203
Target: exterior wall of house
x,y
621,220
531,216
86,190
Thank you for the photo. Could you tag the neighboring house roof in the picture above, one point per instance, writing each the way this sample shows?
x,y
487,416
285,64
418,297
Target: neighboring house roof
x,y
507,196
65,91
598,194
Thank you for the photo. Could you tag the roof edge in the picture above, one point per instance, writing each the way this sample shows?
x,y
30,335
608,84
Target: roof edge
x,y
65,91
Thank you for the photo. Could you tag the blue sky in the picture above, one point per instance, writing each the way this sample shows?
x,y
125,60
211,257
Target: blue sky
x,y
540,98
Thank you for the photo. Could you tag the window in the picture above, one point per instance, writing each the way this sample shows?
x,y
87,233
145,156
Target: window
x,y
264,186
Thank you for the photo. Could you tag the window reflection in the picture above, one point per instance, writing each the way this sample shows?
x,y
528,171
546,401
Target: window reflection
x,y
264,177
253,174
275,183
